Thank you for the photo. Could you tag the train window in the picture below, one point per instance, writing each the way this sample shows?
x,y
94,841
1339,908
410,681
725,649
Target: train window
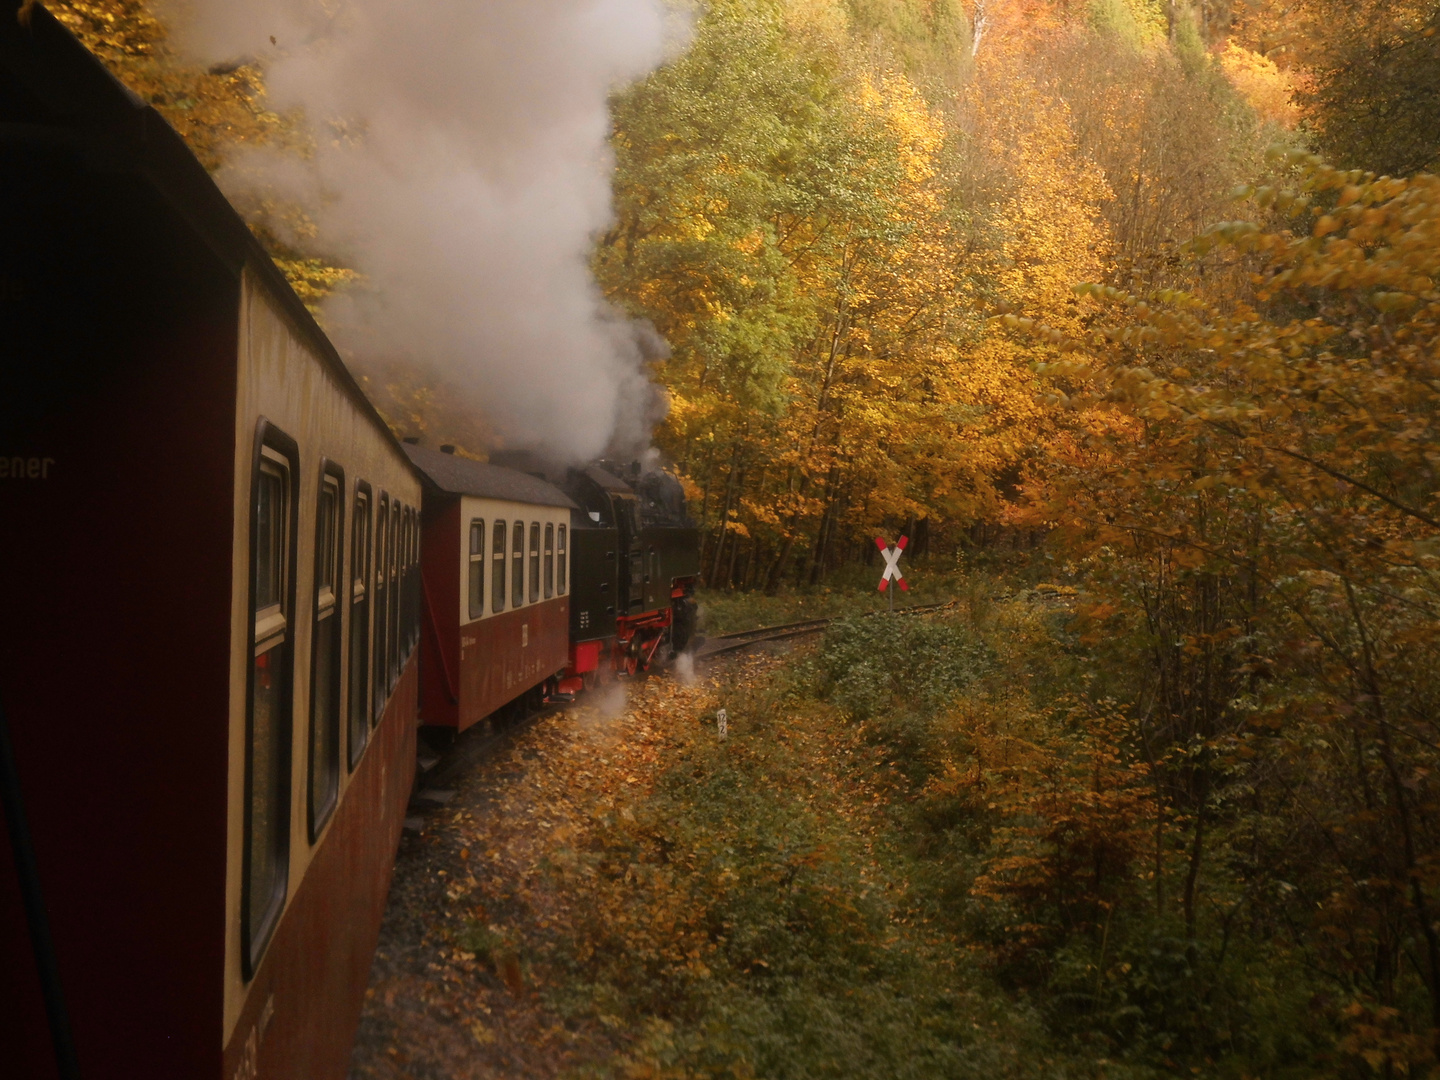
x,y
360,623
393,634
549,559
268,705
325,652
517,563
407,582
497,573
402,585
477,568
534,561
382,611
560,568
269,543
412,609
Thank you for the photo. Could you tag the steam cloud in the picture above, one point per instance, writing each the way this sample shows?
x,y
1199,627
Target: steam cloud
x,y
467,184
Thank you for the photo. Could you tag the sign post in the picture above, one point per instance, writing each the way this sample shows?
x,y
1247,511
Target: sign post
x,y
892,566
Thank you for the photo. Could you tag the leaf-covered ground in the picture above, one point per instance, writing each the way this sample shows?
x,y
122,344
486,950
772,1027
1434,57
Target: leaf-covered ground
x,y
458,983
618,891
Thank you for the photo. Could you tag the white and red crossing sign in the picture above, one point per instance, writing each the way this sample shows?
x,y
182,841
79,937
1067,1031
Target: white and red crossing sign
x,y
892,562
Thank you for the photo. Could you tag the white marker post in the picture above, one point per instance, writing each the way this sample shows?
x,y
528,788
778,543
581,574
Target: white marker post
x,y
892,566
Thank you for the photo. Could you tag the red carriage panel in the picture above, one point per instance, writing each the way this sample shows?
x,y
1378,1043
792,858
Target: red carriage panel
x,y
503,657
497,581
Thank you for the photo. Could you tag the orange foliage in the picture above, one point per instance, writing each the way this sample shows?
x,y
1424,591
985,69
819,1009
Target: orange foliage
x,y
1269,90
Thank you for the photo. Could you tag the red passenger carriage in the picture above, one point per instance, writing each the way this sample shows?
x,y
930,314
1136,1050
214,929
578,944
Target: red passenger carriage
x,y
211,608
497,583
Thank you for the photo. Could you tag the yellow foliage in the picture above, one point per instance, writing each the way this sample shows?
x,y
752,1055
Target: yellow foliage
x,y
1259,80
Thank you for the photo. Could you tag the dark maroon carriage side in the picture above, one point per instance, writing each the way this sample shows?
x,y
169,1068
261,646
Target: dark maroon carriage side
x,y
143,425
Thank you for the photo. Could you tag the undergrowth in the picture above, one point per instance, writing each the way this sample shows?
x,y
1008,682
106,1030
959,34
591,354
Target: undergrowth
x,y
755,915
928,847
853,590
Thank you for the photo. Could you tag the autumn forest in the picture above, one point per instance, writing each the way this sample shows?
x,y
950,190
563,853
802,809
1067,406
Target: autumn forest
x,y
1125,311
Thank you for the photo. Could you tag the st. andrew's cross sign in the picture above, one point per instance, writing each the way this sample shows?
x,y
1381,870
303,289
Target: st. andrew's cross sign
x,y
892,564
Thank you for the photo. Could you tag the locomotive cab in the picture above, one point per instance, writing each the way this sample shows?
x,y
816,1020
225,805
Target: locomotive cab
x,y
643,555
670,543
600,595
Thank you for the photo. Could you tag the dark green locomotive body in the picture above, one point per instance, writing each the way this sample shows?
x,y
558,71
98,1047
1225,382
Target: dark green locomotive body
x,y
635,552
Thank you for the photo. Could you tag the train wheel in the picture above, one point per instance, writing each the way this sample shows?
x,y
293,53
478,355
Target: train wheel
x,y
684,618
635,659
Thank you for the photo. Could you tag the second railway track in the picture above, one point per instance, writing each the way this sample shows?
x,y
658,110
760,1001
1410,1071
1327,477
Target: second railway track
x,y
744,639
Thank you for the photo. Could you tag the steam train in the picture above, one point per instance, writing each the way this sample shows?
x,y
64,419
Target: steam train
x,y
541,588
231,600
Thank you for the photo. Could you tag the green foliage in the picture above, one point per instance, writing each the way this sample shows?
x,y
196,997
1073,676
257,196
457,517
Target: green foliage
x,y
1188,43
931,40
849,592
934,845
880,667
488,945
1135,25
707,147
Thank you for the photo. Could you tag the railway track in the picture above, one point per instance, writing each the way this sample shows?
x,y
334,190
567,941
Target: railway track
x,y
761,634
744,639
438,769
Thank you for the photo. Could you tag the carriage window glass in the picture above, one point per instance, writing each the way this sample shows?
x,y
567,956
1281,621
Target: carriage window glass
x,y
517,563
412,609
534,561
325,656
359,624
269,534
407,581
497,572
402,583
381,619
393,631
267,773
549,559
477,568
413,588
560,584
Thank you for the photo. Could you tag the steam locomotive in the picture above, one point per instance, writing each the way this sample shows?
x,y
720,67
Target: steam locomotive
x,y
232,599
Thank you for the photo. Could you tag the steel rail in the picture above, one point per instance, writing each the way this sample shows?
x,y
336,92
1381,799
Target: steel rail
x,y
744,638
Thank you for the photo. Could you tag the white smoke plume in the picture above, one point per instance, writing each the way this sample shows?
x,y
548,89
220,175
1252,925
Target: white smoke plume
x,y
463,167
